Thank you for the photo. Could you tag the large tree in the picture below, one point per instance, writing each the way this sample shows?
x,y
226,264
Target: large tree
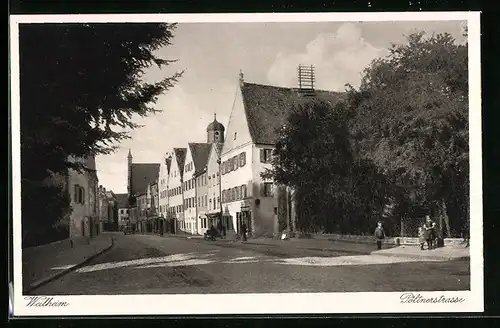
x,y
411,119
81,84
335,190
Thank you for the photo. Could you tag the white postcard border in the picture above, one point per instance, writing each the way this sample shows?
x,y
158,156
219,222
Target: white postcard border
x,y
286,303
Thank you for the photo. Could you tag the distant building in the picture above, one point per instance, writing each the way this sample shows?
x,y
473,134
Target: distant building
x,y
211,212
140,175
123,210
196,161
176,192
163,181
152,223
83,189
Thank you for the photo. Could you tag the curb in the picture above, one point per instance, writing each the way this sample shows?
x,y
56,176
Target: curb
x,y
424,258
41,282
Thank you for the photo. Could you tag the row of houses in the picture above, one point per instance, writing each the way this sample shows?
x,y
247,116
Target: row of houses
x,y
94,209
218,183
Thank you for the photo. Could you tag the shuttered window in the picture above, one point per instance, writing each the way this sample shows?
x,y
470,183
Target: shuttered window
x,y
242,159
267,189
266,155
244,191
235,162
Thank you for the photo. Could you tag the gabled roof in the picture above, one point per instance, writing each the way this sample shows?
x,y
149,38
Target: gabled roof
x,y
180,157
122,200
266,108
199,152
142,175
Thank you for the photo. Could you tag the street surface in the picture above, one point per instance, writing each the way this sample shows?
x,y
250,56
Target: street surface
x,y
148,264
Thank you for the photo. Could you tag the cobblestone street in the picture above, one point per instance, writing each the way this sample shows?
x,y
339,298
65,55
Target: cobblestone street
x,y
147,264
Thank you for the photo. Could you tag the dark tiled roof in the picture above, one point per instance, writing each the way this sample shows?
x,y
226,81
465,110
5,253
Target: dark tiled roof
x,y
215,126
266,108
180,157
122,200
199,152
142,175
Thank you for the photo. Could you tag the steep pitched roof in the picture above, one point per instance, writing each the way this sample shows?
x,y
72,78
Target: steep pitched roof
x,y
142,175
122,200
199,152
266,108
180,157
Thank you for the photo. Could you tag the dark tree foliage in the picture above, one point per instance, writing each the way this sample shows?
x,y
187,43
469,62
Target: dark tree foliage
x,y
80,86
335,190
398,147
411,119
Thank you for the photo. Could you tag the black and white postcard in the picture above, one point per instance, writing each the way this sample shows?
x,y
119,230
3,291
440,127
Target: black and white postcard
x,y
246,163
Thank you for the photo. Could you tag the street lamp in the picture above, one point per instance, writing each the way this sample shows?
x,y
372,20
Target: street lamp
x,y
220,190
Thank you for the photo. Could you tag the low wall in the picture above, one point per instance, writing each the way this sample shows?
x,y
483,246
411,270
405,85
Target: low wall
x,y
390,240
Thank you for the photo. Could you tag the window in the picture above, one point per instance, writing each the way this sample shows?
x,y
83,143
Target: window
x,y
242,159
233,194
206,197
210,204
218,201
237,193
266,155
235,135
267,189
243,191
236,162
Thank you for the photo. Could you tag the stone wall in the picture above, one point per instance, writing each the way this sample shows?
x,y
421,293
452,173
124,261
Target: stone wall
x,y
390,241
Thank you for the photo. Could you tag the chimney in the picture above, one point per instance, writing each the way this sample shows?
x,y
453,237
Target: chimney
x,y
306,77
241,77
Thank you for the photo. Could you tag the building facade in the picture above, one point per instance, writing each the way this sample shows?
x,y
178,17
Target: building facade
x,y
212,208
176,192
123,211
140,176
196,161
83,188
258,112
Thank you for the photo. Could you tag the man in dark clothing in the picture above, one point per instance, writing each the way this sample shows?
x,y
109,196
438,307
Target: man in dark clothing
x,y
430,231
379,235
244,232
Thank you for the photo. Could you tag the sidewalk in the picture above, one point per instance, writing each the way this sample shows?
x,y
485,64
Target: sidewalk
x,y
44,263
447,253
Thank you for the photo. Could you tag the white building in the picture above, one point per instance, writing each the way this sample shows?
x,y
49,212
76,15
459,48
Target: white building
x,y
175,193
257,114
196,161
163,180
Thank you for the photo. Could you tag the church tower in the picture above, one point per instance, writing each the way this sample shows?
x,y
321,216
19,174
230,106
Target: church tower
x,y
129,173
215,132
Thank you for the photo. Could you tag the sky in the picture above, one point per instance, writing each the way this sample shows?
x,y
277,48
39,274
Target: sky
x,y
212,55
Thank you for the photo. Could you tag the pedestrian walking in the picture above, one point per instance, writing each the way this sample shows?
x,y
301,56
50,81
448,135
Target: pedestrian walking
x,y
421,237
244,232
429,232
379,235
